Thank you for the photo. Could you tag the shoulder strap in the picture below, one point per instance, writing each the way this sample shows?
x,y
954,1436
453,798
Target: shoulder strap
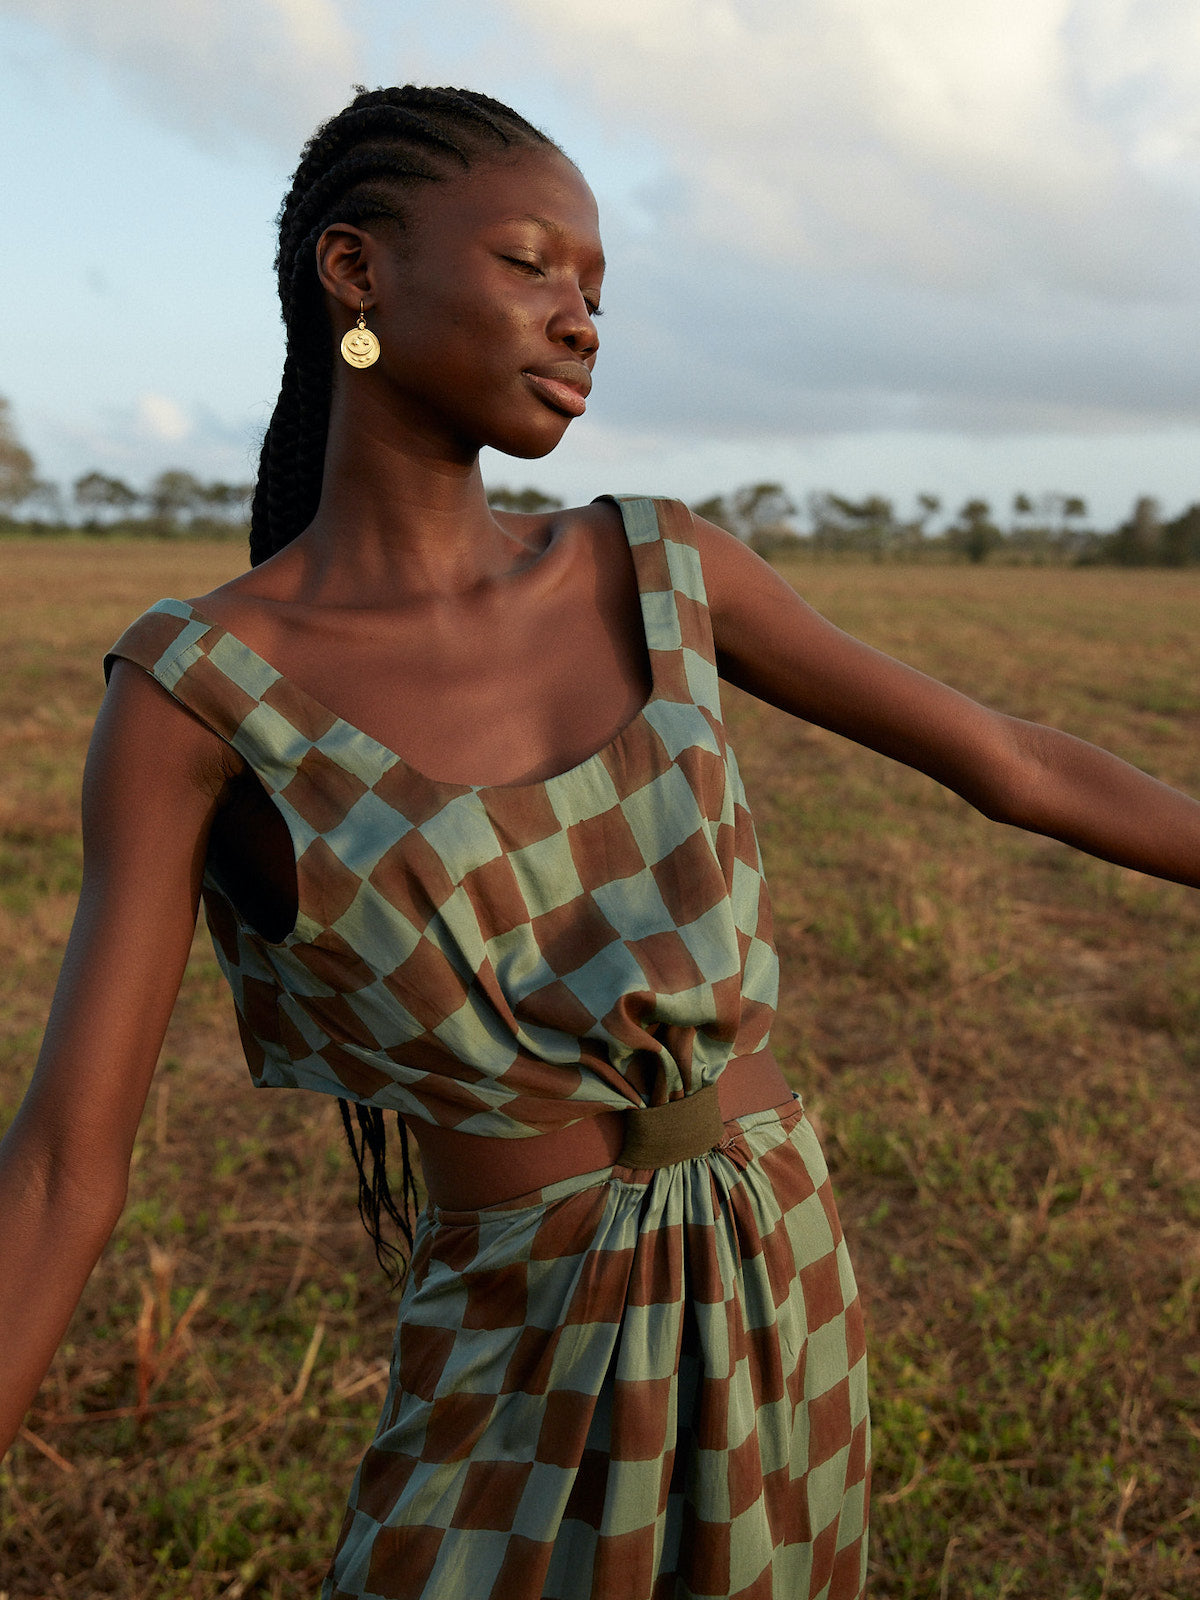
x,y
678,530
697,650
227,686
662,537
155,636
172,644
269,721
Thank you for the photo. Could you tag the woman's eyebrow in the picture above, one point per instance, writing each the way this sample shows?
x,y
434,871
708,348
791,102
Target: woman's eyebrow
x,y
556,228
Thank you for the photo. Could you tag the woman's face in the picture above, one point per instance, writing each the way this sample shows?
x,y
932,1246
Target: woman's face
x,y
483,309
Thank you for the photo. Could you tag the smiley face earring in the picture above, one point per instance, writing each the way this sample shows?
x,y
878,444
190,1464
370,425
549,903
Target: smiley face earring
x,y
360,347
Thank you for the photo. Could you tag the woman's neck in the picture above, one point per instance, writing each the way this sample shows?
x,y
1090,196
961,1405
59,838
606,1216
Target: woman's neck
x,y
403,515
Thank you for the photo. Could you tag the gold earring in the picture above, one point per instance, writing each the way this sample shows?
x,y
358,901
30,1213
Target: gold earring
x,y
360,347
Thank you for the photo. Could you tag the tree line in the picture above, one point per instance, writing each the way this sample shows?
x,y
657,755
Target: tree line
x,y
172,502
1047,529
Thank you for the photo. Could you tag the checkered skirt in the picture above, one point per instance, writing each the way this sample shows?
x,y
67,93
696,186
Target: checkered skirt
x,y
627,1385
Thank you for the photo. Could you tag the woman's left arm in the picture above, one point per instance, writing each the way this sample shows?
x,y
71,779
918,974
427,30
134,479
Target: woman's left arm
x,y
774,645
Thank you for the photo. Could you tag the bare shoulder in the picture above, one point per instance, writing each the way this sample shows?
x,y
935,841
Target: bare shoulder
x,y
144,738
599,520
576,544
245,593
745,594
727,560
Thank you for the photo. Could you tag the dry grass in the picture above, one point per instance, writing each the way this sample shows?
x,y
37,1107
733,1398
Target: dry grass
x,y
998,1039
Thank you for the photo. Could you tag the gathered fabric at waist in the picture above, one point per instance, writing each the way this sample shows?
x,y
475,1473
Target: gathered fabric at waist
x,y
465,1171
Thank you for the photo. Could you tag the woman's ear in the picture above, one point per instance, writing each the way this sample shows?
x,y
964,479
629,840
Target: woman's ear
x,y
344,260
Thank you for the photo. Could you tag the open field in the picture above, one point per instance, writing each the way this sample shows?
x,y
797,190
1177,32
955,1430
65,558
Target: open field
x,y
998,1039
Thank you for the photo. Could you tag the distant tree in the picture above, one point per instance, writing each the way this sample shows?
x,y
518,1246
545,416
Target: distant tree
x,y
757,513
96,492
1073,509
1138,541
173,494
928,506
527,500
45,499
1058,511
831,533
17,475
761,507
974,534
1032,536
227,499
875,518
865,527
909,539
1180,539
716,509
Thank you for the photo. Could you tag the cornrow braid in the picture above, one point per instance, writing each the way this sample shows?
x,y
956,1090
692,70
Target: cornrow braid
x,y
359,165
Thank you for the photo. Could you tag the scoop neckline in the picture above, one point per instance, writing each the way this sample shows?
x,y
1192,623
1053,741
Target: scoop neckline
x,y
605,749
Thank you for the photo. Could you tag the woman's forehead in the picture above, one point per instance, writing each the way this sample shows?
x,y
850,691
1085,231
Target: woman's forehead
x,y
538,187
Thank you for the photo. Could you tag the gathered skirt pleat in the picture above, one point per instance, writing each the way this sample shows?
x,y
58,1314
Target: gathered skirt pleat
x,y
626,1386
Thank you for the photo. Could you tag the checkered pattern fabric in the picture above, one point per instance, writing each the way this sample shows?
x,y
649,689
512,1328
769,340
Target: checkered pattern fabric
x,y
621,1389
625,1386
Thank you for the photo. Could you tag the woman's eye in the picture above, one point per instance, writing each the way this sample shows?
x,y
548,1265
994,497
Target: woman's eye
x,y
538,271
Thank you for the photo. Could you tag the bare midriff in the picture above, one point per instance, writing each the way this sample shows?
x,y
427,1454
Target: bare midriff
x,y
465,1171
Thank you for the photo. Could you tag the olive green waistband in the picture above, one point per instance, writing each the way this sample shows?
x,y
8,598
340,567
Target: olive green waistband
x,y
659,1136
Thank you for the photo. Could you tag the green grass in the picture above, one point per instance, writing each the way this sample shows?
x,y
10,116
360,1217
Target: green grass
x,y
997,1040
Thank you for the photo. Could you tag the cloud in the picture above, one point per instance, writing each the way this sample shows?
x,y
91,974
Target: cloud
x,y
950,144
138,440
737,346
900,212
217,70
162,418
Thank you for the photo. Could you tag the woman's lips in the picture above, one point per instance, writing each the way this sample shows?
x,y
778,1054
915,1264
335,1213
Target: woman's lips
x,y
565,386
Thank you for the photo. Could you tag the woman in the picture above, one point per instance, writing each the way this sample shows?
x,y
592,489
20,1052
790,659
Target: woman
x,y
630,1357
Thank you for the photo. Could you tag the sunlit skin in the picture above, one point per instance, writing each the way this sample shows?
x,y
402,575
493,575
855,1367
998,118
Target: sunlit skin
x,y
481,647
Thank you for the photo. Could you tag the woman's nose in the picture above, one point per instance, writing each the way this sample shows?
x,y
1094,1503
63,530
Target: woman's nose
x,y
576,329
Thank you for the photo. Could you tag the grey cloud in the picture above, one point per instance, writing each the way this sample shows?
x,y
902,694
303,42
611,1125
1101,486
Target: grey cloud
x,y
219,71
725,344
66,442
949,145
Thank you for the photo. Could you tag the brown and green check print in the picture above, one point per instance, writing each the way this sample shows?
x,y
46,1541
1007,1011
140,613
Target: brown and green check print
x,y
622,1386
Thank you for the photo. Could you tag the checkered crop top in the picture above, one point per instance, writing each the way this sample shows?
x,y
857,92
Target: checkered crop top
x,y
502,959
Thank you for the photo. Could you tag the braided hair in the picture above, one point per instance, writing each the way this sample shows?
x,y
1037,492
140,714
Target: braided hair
x,y
358,166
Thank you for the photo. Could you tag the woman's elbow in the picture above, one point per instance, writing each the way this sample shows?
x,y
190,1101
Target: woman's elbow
x,y
61,1173
1009,781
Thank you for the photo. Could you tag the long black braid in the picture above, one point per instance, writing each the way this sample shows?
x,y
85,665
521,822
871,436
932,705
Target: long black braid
x,y
360,165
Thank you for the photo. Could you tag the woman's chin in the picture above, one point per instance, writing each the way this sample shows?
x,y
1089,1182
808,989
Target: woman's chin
x,y
527,449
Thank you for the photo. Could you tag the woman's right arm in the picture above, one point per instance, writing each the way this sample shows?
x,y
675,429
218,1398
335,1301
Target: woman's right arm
x,y
151,786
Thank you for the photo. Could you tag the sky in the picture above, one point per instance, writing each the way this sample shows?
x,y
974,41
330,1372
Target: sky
x,y
873,246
